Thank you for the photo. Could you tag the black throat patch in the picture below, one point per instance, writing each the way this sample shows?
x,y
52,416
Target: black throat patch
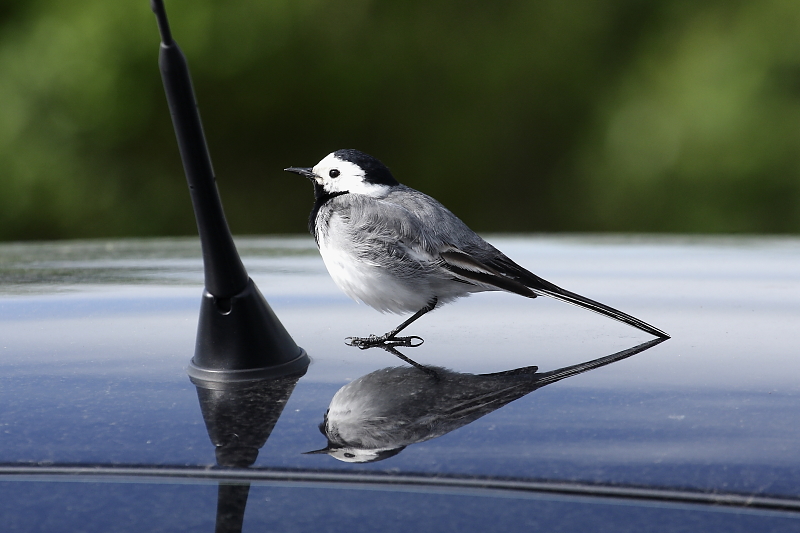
x,y
321,197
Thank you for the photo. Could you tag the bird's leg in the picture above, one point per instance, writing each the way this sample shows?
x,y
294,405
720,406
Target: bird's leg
x,y
391,349
391,337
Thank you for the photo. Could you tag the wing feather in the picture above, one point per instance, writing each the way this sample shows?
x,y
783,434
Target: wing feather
x,y
466,266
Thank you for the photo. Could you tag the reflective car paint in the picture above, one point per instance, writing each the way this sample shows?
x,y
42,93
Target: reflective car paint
x,y
96,337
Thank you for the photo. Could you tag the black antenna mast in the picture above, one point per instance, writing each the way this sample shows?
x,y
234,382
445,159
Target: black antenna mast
x,y
239,337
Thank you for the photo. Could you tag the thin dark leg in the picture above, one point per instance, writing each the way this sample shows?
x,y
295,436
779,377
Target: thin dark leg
x,y
391,349
391,337
404,325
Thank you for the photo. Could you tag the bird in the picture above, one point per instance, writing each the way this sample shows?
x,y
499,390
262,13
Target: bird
x,y
399,250
378,415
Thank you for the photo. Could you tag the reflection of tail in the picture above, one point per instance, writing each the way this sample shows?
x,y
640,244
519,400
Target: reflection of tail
x,y
519,387
568,371
516,372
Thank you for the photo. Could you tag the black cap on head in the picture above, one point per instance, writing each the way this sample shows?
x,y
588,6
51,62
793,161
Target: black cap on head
x,y
374,171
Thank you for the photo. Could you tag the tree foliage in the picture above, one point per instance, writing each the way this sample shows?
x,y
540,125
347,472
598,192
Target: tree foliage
x,y
553,115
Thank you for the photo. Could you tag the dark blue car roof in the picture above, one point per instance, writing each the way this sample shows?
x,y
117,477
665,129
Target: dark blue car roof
x,y
96,337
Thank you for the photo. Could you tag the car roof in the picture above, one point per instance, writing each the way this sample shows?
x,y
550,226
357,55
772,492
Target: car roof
x,y
97,337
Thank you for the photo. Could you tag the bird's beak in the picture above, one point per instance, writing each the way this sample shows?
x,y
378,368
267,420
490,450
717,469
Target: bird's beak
x,y
326,449
305,172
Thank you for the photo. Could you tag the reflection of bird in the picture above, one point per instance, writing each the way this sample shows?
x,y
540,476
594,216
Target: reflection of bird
x,y
377,415
399,250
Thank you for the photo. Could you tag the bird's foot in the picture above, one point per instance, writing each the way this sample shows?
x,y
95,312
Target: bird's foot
x,y
387,340
389,344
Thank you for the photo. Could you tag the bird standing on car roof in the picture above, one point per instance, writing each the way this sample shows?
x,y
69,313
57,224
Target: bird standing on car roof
x,y
399,250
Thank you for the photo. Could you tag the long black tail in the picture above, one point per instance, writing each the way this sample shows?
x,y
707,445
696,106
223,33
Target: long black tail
x,y
543,287
597,307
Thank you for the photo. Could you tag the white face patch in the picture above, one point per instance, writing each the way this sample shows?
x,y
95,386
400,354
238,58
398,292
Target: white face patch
x,y
336,175
355,455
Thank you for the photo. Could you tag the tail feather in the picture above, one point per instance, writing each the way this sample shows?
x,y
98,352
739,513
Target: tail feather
x,y
543,287
597,307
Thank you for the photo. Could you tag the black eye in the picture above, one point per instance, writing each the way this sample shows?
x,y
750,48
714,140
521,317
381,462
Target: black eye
x,y
334,173
349,455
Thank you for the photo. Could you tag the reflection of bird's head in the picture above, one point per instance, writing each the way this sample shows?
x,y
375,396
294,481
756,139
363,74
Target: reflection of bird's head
x,y
352,454
358,455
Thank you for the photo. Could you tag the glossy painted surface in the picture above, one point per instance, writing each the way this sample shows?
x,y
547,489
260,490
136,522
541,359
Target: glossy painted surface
x,y
118,506
96,337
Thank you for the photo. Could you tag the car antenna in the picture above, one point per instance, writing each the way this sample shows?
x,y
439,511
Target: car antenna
x,y
239,337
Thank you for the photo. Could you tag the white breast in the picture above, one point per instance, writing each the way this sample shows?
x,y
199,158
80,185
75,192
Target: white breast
x,y
367,281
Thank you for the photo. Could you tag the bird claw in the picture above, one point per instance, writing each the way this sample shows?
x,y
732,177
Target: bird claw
x,y
361,342
409,342
389,343
374,341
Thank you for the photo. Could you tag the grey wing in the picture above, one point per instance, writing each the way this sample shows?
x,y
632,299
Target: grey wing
x,y
425,224
415,228
406,223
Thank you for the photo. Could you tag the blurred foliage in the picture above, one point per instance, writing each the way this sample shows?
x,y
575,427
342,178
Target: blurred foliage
x,y
552,115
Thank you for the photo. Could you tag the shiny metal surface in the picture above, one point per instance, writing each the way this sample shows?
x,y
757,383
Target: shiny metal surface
x,y
96,338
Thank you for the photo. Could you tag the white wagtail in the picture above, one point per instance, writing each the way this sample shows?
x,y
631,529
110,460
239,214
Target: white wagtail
x,y
376,416
399,250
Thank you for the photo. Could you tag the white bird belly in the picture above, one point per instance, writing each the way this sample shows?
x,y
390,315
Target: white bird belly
x,y
372,284
411,280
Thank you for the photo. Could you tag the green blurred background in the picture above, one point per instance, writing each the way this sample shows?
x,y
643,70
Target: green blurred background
x,y
556,115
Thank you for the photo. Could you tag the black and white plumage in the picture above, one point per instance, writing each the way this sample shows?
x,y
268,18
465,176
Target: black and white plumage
x,y
399,250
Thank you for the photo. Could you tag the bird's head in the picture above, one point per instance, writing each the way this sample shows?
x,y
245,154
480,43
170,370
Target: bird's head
x,y
349,171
